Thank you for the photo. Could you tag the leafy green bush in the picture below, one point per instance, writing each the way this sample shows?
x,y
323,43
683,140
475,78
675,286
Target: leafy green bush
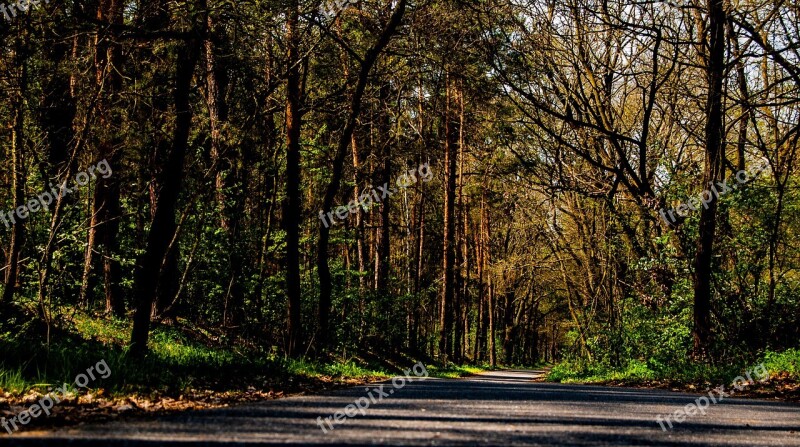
x,y
787,362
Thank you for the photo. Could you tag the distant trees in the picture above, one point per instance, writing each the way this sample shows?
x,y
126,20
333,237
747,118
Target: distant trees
x,y
617,117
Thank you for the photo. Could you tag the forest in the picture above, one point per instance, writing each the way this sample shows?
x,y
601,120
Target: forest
x,y
194,187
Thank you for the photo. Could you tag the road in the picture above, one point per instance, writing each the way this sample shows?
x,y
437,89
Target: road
x,y
497,408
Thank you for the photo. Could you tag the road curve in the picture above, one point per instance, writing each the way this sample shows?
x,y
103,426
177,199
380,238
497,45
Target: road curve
x,y
496,408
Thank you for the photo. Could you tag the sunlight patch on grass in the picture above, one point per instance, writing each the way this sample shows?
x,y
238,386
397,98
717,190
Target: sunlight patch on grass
x,y
344,370
784,364
455,371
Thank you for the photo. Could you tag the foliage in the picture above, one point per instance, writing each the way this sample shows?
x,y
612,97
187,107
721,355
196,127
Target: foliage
x,y
181,358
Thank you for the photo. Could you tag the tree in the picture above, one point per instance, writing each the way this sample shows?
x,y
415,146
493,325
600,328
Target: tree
x,y
148,268
345,140
714,137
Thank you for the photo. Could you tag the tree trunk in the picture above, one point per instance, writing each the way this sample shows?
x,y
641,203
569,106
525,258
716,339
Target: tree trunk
x,y
713,165
292,208
224,158
383,179
17,180
158,240
480,248
508,322
57,120
106,207
448,293
345,139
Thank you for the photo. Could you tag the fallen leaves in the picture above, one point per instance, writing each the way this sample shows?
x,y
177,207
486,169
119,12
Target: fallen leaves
x,y
97,405
779,387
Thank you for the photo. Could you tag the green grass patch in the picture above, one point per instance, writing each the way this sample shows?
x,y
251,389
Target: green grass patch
x,y
785,364
181,357
456,371
338,370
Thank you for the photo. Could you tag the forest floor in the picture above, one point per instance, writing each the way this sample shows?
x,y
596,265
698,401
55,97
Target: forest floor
x,y
496,408
193,368
189,367
775,376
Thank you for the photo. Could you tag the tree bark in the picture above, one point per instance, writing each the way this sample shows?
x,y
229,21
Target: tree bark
x,y
714,130
292,208
158,240
17,179
448,243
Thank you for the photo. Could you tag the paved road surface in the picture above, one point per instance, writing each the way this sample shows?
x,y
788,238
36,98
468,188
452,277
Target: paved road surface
x,y
497,408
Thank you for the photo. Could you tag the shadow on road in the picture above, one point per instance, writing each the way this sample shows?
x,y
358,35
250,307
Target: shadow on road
x,y
497,408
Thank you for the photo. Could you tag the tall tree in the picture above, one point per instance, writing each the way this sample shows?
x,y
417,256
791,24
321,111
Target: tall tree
x,y
451,140
292,208
148,268
18,108
345,139
712,172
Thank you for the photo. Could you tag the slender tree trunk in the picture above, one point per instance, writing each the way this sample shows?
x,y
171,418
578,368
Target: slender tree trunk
x,y
713,165
112,270
111,70
419,254
345,139
17,179
158,240
744,118
269,181
224,158
464,264
383,179
57,121
359,220
490,293
88,257
491,311
448,293
103,234
509,330
480,247
293,207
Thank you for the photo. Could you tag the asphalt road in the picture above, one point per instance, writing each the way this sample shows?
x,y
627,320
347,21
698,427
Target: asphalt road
x,y
498,408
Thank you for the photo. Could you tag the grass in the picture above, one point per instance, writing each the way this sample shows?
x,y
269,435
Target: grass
x,y
339,370
181,358
13,381
456,371
784,365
